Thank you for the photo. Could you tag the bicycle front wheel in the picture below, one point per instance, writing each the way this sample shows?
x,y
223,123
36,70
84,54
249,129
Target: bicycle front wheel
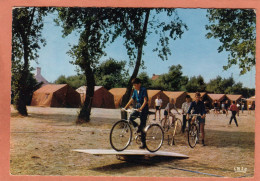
x,y
120,135
178,125
154,137
193,135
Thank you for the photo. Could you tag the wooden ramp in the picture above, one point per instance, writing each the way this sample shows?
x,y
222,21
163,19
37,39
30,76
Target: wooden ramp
x,y
130,153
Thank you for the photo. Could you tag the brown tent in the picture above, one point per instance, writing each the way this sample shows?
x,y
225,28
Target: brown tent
x,y
218,97
179,97
251,101
152,95
118,95
56,95
202,94
102,97
204,97
234,97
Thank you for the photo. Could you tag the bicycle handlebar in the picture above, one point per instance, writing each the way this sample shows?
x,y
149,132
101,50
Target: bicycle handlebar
x,y
129,110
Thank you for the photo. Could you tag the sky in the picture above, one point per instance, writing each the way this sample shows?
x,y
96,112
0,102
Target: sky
x,y
194,52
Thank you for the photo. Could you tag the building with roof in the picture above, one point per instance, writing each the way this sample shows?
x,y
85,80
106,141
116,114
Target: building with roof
x,y
102,97
56,95
154,77
38,76
178,96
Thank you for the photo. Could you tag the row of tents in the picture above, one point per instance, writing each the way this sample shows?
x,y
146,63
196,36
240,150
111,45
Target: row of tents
x,y
62,95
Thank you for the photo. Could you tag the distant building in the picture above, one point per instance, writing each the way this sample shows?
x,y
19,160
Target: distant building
x,y
39,77
154,77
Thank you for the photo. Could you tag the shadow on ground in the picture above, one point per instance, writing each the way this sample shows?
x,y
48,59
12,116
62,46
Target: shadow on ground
x,y
133,162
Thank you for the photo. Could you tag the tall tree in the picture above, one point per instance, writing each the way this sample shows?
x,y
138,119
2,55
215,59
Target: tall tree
x,y
26,30
214,85
236,30
135,25
75,81
93,27
171,81
196,84
111,73
145,79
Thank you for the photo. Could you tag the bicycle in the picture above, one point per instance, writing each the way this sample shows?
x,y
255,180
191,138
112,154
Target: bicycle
x,y
176,125
193,131
121,135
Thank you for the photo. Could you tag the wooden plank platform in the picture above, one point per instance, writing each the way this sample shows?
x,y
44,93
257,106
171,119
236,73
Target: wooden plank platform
x,y
130,152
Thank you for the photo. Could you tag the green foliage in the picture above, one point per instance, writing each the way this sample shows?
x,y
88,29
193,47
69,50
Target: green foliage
x,y
171,81
94,28
74,81
26,39
145,79
111,74
236,30
228,86
214,86
196,84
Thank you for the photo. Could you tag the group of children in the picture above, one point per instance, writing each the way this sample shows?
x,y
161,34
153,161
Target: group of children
x,y
189,107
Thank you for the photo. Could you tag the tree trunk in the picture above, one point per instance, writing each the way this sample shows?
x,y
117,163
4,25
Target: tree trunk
x,y
20,100
84,115
140,45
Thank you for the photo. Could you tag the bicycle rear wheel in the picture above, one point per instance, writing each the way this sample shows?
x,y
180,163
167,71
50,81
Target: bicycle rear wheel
x,y
120,135
154,137
193,135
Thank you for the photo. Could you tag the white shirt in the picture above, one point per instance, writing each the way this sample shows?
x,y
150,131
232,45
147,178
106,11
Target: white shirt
x,y
158,102
185,106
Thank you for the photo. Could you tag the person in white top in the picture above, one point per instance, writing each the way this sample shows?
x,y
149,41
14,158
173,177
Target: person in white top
x,y
185,107
167,112
158,106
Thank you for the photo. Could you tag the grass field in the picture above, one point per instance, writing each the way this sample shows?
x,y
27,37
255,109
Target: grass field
x,y
41,144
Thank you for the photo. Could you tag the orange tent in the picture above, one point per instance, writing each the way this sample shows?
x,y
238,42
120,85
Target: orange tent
x,y
102,97
202,94
251,101
152,95
234,97
118,94
56,95
178,96
218,97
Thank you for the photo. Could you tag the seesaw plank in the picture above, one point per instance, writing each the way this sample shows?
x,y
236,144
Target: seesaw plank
x,y
130,152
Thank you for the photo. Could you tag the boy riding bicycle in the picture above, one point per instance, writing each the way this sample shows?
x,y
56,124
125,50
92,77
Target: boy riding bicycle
x,y
141,97
199,108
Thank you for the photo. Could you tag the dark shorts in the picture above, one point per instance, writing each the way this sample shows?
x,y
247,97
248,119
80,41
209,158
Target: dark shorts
x,y
165,113
157,108
201,120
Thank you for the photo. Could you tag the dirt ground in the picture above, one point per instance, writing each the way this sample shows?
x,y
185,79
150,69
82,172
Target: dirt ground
x,y
42,143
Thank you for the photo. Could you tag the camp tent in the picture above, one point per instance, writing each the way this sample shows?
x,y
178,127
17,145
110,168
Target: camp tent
x,y
236,98
251,101
102,97
152,95
118,95
178,96
218,97
203,95
56,95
